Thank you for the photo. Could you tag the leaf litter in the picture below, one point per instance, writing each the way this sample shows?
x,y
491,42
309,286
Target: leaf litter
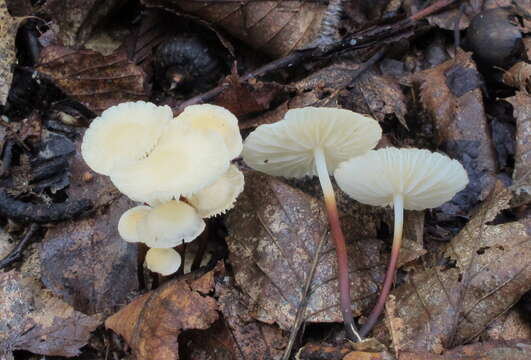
x,y
464,267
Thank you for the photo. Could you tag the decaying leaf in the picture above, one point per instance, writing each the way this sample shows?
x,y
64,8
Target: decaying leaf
x,y
274,27
95,80
33,319
500,350
247,98
445,306
273,235
151,324
519,76
254,339
511,326
8,30
78,19
451,94
85,261
522,159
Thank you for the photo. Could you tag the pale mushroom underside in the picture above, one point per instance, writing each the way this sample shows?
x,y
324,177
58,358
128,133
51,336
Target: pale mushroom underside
x,y
424,179
286,148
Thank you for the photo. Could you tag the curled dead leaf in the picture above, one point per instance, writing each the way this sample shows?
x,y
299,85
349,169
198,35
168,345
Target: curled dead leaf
x,y
519,76
151,323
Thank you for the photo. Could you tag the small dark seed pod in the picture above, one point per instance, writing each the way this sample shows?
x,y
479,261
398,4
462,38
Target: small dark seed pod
x,y
494,38
186,63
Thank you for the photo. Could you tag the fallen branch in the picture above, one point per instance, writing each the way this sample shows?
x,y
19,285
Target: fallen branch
x,y
24,212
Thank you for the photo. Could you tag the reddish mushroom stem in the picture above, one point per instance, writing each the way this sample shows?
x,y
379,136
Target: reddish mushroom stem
x,y
398,204
339,241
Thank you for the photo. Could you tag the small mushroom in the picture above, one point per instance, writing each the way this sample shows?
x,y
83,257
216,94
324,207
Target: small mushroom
x,y
216,118
220,196
163,261
313,141
185,161
411,179
170,224
128,223
123,133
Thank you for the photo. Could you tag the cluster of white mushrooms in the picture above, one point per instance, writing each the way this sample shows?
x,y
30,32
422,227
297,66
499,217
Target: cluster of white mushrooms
x,y
322,141
180,167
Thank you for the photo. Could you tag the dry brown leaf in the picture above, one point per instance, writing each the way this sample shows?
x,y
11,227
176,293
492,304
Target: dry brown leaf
x,y
85,261
445,306
519,76
522,159
95,80
451,94
34,320
510,350
274,27
77,19
273,235
151,323
319,351
8,30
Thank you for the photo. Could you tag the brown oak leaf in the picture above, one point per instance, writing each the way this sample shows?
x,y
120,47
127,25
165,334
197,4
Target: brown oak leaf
x,y
151,324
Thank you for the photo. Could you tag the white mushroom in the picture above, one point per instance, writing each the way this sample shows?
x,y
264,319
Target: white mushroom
x,y
406,179
313,141
123,134
170,224
220,196
185,161
163,261
216,118
128,223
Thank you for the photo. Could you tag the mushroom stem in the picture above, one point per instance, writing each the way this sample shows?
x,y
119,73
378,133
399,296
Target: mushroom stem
x,y
398,204
339,241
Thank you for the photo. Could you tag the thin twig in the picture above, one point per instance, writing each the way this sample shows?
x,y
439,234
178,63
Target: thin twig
x,y
299,318
16,253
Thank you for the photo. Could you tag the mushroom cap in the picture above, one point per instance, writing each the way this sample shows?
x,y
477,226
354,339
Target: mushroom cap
x,y
170,224
221,195
424,179
123,133
163,261
128,223
216,118
286,148
185,161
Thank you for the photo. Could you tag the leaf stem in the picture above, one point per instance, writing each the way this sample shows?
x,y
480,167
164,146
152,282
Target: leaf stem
x,y
339,241
398,204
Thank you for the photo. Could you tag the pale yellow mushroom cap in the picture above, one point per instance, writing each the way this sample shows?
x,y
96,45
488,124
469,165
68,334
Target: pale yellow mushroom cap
x,y
185,161
123,133
216,118
170,224
286,148
163,261
128,224
220,196
424,179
